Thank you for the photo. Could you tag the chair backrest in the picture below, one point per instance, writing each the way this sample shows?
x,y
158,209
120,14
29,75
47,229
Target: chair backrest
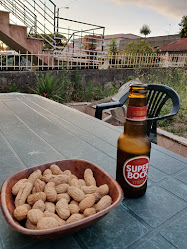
x,y
124,91
156,99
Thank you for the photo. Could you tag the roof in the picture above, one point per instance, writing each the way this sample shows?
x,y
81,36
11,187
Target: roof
x,y
124,36
179,45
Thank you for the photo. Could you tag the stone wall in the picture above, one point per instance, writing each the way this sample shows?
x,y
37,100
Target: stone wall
x,y
26,80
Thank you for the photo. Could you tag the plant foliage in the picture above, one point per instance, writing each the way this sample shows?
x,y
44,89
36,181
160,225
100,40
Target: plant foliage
x,y
145,30
138,48
47,86
183,25
113,47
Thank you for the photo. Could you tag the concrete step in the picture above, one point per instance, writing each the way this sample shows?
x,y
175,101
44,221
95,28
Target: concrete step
x,y
15,36
4,18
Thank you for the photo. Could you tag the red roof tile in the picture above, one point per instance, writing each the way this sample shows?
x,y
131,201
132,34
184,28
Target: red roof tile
x,y
180,45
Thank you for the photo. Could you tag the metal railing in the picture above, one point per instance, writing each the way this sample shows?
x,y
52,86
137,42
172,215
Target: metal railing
x,y
43,21
88,60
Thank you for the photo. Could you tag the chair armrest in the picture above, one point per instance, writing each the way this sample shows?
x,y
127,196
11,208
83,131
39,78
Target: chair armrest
x,y
101,107
173,112
161,117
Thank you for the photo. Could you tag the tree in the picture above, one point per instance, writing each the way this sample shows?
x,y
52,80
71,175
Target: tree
x,y
113,47
183,25
138,48
145,30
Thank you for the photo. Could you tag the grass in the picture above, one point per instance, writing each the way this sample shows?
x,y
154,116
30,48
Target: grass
x,y
176,79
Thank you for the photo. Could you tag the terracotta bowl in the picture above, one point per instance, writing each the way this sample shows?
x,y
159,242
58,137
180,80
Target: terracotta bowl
x,y
77,167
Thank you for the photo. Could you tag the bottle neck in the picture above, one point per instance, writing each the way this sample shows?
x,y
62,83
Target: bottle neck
x,y
135,128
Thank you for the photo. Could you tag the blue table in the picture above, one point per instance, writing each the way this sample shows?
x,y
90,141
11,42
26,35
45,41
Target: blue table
x,y
35,130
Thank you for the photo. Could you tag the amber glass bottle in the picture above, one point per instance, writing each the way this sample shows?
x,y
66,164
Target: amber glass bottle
x,y
134,146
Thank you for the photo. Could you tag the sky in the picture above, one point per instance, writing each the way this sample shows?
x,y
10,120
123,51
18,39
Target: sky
x,y
127,16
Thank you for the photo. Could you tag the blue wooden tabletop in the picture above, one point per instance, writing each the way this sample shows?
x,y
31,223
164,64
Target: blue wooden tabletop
x,y
35,130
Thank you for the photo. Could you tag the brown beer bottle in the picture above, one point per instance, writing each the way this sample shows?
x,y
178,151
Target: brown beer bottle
x,y
133,151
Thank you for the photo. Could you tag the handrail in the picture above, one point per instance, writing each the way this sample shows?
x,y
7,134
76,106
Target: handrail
x,y
80,22
42,18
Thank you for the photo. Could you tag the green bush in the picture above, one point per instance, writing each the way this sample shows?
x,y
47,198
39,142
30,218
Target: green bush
x,y
48,86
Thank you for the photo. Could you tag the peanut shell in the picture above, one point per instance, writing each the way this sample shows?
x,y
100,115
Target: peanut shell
x,y
23,193
47,172
61,188
47,223
20,213
39,205
76,193
105,202
60,221
51,194
34,215
89,189
89,211
30,225
88,177
39,185
87,203
74,208
56,170
74,218
57,179
49,206
35,197
35,175
63,195
16,187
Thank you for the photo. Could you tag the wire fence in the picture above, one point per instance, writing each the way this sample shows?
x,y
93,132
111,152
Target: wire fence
x,y
87,60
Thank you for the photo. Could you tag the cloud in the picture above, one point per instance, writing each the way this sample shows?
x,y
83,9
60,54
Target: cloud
x,y
171,8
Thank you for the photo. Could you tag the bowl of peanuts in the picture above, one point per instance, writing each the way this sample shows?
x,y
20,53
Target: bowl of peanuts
x,y
58,198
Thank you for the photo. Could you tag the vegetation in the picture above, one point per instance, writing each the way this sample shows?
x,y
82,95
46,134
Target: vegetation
x,y
183,25
67,89
47,86
13,88
138,48
176,79
113,48
145,30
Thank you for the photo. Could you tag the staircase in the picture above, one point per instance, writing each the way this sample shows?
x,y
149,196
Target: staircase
x,y
42,24
15,36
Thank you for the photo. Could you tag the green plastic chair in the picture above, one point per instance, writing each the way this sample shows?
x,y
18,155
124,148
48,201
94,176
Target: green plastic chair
x,y
157,97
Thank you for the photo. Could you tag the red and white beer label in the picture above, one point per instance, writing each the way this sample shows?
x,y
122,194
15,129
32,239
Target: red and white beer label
x,y
135,171
136,113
